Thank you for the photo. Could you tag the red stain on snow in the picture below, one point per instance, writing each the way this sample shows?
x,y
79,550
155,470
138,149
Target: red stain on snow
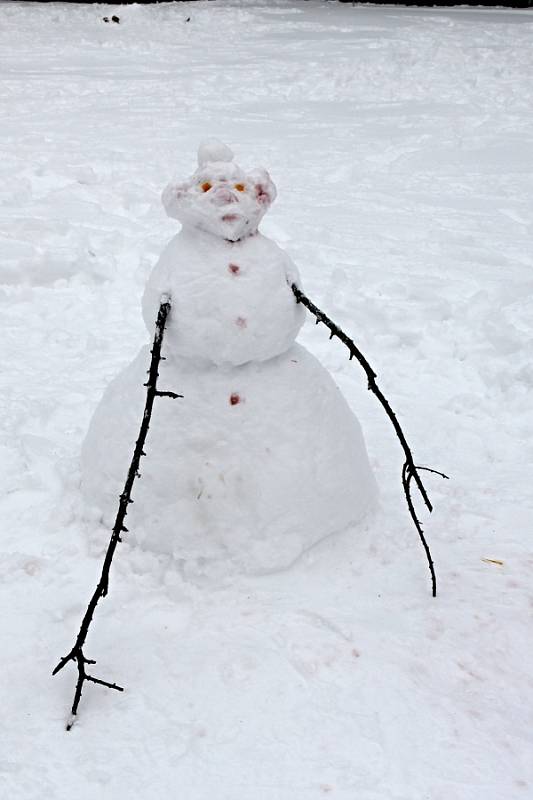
x,y
234,269
234,399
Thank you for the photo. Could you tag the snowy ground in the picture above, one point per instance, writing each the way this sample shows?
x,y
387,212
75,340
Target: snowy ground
x,y
400,141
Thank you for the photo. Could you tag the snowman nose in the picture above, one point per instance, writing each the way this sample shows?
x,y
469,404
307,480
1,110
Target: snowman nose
x,y
222,197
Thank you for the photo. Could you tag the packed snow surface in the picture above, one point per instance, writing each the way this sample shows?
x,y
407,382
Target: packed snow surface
x,y
400,143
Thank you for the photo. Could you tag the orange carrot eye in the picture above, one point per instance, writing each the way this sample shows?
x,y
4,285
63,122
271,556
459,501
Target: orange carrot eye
x,y
239,187
206,186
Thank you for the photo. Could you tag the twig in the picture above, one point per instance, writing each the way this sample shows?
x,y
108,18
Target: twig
x,y
409,471
76,654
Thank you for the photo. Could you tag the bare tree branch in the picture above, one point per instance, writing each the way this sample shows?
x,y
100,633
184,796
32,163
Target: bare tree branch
x,y
409,471
77,654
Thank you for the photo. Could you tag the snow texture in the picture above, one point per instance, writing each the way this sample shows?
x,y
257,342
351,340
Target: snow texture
x,y
400,142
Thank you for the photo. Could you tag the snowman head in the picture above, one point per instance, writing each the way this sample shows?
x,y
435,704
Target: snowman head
x,y
220,198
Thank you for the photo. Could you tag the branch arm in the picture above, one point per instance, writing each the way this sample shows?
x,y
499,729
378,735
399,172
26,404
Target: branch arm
x,y
76,653
372,384
410,471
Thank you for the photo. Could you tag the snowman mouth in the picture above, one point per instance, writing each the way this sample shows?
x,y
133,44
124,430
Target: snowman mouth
x,y
231,217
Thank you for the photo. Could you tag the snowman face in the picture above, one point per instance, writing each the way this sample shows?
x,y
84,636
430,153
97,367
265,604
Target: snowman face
x,y
221,199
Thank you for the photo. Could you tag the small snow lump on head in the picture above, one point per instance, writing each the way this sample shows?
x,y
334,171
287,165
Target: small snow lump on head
x,y
213,150
220,198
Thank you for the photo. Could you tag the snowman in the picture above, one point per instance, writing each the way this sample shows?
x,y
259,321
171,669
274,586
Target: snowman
x,y
262,457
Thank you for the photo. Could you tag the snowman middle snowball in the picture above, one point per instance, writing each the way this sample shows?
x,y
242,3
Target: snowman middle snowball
x,y
262,457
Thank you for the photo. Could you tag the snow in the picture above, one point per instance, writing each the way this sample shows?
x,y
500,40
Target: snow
x,y
213,150
399,140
